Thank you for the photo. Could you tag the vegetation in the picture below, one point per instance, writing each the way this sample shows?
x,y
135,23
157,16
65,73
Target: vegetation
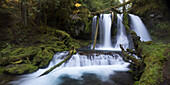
x,y
151,57
32,31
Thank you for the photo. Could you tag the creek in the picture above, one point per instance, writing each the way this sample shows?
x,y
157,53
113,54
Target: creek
x,y
102,66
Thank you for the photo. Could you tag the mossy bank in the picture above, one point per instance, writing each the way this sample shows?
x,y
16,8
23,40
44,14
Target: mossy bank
x,y
26,58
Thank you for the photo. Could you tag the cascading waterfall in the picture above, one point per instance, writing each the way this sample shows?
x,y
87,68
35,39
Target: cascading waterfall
x,y
102,65
88,68
121,37
121,34
105,31
94,26
140,29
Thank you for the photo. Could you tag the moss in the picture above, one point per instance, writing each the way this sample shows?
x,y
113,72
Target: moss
x,y
1,70
154,57
43,58
20,69
161,29
17,54
39,54
61,34
126,18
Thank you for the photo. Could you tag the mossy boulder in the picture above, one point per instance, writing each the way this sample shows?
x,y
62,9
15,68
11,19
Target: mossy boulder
x,y
37,55
20,69
43,58
16,54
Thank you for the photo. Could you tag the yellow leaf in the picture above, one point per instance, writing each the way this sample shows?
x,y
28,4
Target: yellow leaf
x,y
77,5
76,11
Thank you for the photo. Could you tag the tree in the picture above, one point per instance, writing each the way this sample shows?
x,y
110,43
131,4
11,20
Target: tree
x,y
38,16
24,12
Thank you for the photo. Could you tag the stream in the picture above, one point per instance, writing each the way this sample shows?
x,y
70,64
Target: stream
x,y
84,68
103,66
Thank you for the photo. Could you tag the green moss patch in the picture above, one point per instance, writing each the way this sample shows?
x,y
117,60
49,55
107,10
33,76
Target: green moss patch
x,y
43,58
154,57
20,69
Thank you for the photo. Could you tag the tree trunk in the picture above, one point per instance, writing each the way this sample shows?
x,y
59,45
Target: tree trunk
x,y
97,27
72,51
24,12
38,17
124,7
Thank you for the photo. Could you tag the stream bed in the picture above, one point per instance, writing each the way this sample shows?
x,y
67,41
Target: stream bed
x,y
83,68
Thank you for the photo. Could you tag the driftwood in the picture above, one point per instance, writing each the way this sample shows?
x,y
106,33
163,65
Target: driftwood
x,y
72,51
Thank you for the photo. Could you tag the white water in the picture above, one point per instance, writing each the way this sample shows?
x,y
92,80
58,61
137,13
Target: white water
x,y
102,65
105,32
140,29
94,26
121,36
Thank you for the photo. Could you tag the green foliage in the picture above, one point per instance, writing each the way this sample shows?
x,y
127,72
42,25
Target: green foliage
x,y
6,50
162,29
43,58
38,54
154,57
95,5
20,69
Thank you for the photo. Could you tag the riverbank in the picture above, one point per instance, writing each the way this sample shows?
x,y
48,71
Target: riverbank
x,y
35,50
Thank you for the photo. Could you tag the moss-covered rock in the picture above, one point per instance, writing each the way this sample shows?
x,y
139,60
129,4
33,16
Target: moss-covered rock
x,y
20,69
15,54
43,58
37,50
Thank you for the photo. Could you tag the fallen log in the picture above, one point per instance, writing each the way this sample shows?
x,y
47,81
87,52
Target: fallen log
x,y
97,27
72,51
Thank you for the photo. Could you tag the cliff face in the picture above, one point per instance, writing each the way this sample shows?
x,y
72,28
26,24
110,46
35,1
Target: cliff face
x,y
155,15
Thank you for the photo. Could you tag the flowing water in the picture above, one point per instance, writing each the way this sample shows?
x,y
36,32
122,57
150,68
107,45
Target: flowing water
x,y
121,36
83,68
138,26
105,33
98,67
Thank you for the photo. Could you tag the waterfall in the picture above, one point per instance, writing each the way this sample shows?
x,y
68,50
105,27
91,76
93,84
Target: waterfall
x,y
102,65
98,66
140,29
94,26
105,31
121,36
